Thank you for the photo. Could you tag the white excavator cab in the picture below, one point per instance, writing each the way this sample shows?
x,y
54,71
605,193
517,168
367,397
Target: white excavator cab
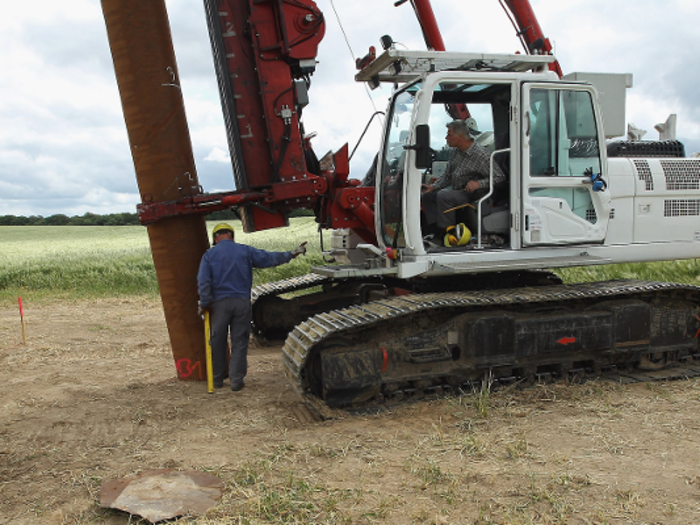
x,y
563,202
545,137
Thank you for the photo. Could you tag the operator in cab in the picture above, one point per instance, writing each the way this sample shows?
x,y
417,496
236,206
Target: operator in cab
x,y
465,180
225,280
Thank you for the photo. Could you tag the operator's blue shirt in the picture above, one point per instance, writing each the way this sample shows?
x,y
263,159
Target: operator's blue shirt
x,y
226,270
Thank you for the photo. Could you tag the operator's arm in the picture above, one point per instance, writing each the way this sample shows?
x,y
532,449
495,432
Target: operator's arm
x,y
498,176
477,167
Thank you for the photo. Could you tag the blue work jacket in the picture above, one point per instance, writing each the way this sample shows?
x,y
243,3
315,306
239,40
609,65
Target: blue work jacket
x,y
226,270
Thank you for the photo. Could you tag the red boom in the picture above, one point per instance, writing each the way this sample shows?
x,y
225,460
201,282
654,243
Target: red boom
x,y
265,52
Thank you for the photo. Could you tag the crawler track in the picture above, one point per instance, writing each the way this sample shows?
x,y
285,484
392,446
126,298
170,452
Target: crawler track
x,y
287,285
274,316
390,350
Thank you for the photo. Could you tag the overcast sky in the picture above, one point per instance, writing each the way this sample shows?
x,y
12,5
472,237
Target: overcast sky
x,y
63,142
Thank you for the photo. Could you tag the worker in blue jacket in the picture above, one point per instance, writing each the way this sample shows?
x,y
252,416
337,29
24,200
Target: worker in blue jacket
x,y
225,279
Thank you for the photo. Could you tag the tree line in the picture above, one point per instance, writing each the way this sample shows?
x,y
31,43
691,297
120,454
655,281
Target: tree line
x,y
88,219
112,219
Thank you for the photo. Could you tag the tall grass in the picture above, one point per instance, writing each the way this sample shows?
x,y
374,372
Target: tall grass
x,y
686,271
73,262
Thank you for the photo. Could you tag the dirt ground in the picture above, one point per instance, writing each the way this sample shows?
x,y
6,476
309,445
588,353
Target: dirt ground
x,y
93,397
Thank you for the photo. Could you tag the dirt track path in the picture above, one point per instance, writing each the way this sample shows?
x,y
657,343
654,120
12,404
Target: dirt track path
x,y
93,397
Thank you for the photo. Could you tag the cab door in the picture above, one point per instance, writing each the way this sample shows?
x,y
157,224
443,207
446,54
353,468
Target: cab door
x,y
563,150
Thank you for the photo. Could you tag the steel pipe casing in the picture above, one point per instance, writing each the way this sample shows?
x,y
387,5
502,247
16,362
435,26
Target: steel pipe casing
x,y
159,139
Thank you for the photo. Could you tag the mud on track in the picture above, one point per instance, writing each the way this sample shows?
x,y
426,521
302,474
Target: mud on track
x,y
93,396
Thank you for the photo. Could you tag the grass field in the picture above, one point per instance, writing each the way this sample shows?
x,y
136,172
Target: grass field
x,y
93,397
73,262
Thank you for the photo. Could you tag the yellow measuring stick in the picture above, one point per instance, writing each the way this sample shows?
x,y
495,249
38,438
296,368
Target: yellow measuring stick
x,y
460,206
207,341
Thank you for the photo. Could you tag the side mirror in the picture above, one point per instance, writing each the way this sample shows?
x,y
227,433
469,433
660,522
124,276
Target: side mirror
x,y
422,147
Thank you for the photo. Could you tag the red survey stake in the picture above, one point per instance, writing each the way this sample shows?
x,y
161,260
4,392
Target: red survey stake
x,y
21,316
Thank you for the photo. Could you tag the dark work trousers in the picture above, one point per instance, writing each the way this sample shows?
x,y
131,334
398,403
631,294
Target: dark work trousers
x,y
230,314
436,202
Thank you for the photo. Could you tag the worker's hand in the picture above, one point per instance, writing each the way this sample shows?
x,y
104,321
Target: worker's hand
x,y
472,186
299,250
427,188
201,309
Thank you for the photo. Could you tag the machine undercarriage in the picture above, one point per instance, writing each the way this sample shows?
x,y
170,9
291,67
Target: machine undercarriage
x,y
378,353
279,306
415,345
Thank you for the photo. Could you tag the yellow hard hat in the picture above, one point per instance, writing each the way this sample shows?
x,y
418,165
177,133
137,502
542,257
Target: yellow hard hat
x,y
222,226
458,235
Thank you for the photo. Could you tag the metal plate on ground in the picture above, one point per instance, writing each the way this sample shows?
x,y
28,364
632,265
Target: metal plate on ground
x,y
162,494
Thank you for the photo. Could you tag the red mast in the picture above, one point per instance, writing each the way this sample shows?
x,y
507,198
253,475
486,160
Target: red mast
x,y
530,32
428,23
523,18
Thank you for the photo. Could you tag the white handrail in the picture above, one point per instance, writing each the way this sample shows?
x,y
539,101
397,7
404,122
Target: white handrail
x,y
478,206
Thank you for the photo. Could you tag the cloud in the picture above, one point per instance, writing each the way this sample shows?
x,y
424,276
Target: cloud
x,y
63,141
652,40
218,155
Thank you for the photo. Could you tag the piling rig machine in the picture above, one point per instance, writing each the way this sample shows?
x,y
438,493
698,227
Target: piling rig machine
x,y
399,318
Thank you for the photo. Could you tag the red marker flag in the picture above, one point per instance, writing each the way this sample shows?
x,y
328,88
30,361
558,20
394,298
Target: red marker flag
x,y
21,316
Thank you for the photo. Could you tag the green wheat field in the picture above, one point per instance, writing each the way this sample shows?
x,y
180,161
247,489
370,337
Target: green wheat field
x,y
43,263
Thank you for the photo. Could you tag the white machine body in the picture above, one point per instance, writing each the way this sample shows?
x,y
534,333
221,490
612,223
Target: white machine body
x,y
565,202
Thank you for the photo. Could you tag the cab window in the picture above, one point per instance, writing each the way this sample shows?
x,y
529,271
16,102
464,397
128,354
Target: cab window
x,y
563,134
391,180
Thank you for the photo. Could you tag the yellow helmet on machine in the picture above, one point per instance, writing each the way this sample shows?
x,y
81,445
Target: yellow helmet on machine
x,y
221,227
458,235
